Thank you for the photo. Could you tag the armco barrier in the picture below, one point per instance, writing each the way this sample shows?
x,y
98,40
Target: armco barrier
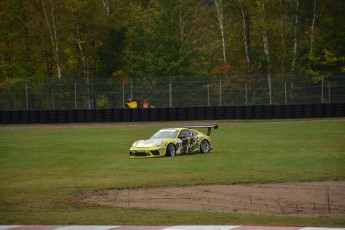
x,y
173,114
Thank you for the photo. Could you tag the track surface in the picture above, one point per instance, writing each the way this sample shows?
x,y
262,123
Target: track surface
x,y
191,227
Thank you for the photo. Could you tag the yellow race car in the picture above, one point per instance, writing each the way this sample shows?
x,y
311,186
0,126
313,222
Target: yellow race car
x,y
174,141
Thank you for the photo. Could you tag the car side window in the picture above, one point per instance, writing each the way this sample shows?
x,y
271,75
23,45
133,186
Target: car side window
x,y
184,133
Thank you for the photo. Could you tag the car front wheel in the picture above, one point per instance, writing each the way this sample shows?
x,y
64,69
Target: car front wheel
x,y
171,151
205,146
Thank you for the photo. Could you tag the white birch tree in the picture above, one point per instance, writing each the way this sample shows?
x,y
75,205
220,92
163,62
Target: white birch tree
x,y
219,9
282,35
106,6
265,45
246,38
295,43
182,24
53,34
312,30
84,63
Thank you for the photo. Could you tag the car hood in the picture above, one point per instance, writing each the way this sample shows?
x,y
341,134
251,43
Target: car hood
x,y
148,143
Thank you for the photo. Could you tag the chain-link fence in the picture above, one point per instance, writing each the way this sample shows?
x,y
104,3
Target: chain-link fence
x,y
186,92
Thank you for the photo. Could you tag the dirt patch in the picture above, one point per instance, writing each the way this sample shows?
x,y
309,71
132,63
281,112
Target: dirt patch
x,y
301,199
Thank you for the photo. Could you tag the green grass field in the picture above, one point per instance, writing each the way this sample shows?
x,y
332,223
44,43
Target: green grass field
x,y
42,170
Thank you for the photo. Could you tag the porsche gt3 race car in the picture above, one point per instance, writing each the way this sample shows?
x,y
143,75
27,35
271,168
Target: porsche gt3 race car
x,y
174,141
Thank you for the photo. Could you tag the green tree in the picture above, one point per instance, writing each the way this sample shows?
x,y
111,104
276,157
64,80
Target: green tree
x,y
329,45
15,43
111,51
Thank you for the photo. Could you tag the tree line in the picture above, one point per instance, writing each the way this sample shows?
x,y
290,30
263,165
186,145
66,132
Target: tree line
x,y
161,39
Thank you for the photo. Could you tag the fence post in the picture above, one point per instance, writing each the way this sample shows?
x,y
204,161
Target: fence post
x,y
123,94
170,93
270,90
246,94
26,95
329,92
14,100
322,89
269,84
53,102
285,93
75,94
220,91
208,94
131,88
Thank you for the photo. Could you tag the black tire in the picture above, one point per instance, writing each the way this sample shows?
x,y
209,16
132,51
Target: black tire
x,y
205,146
170,151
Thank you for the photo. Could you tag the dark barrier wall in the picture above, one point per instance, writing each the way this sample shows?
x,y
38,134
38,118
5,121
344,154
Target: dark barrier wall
x,y
173,114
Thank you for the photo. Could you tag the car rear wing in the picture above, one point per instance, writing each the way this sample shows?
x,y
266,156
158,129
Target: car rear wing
x,y
209,127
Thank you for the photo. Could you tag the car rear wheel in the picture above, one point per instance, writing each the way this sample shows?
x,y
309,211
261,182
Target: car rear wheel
x,y
205,146
171,151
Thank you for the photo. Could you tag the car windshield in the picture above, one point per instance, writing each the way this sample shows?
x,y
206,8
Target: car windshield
x,y
165,133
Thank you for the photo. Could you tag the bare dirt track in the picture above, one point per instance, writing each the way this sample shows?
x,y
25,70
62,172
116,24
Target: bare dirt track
x,y
326,199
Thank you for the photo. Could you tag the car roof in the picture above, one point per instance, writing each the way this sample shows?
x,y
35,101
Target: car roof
x,y
177,129
173,129
209,128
